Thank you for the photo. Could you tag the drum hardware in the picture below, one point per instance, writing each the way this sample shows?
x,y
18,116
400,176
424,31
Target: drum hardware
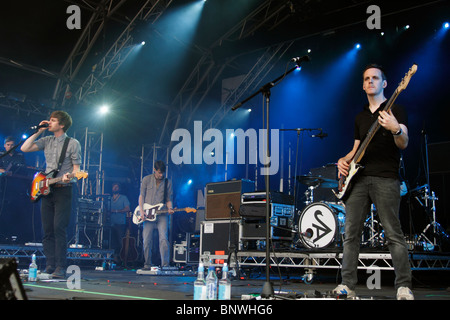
x,y
376,232
314,182
437,231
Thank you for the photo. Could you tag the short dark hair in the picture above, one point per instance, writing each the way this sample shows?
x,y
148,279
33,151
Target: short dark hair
x,y
160,165
64,119
375,66
10,138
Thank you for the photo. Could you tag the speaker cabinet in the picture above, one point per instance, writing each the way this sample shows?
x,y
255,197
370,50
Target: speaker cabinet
x,y
220,196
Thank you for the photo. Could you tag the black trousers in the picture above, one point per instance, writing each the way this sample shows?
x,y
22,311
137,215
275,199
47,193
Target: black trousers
x,y
55,215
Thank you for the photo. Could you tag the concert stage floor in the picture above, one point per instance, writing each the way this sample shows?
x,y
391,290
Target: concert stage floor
x,y
128,285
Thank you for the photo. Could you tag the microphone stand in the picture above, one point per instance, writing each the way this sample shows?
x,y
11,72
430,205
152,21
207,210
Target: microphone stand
x,y
267,291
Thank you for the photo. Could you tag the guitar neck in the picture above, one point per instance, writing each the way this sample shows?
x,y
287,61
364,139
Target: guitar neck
x,y
374,128
175,210
59,179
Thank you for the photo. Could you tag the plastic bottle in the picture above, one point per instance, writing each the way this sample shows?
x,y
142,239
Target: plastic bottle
x,y
32,270
200,284
225,284
211,284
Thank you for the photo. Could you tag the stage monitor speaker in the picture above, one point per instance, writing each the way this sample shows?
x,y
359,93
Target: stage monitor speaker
x,y
219,196
219,236
11,287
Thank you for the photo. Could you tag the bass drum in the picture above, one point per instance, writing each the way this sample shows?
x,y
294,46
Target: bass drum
x,y
322,224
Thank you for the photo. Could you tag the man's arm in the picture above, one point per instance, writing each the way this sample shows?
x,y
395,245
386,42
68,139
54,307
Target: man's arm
x,y
344,162
29,145
388,121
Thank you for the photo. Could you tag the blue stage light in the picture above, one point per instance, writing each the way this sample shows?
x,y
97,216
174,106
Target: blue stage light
x,y
446,25
357,46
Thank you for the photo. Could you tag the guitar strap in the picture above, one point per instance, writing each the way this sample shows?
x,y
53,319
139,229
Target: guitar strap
x,y
165,191
63,154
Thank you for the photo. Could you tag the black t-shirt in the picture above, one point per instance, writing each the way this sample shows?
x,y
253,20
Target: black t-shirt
x,y
382,156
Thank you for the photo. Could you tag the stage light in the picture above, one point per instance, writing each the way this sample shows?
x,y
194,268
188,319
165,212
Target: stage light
x,y
407,27
189,181
104,109
446,25
143,43
249,110
309,50
382,33
357,46
24,137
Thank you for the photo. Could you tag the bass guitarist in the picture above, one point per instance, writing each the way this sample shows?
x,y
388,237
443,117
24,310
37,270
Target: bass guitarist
x,y
377,182
57,206
156,189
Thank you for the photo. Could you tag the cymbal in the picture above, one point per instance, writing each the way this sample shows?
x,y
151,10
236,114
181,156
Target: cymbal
x,y
317,181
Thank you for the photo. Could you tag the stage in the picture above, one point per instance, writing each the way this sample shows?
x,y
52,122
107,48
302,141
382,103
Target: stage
x,y
295,275
128,285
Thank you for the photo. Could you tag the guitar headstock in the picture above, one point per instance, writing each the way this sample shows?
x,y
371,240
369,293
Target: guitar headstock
x,y
405,81
81,175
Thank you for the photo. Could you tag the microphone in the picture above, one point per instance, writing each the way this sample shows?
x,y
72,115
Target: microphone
x,y
301,59
44,125
308,233
230,205
320,135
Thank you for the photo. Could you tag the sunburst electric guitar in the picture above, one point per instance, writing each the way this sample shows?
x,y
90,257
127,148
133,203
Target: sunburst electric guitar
x,y
41,185
345,182
151,212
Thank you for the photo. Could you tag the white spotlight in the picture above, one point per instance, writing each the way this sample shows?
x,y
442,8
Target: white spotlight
x,y
104,109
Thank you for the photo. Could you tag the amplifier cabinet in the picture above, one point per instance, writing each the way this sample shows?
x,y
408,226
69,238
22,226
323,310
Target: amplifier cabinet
x,y
215,235
219,196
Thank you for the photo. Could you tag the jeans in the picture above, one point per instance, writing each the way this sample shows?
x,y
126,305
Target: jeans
x,y
384,193
55,215
161,224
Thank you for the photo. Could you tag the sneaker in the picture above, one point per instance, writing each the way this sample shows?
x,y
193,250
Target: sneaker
x,y
404,293
59,273
342,289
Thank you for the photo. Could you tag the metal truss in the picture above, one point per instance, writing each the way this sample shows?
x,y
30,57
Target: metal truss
x,y
119,51
312,261
199,83
12,251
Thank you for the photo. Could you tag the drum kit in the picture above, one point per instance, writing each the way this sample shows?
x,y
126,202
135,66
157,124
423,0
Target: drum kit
x,y
321,224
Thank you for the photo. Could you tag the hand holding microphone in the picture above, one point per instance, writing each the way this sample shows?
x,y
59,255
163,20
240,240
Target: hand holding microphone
x,y
42,125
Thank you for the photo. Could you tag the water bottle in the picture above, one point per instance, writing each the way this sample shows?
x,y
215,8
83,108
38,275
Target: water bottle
x,y
32,270
211,284
200,284
225,284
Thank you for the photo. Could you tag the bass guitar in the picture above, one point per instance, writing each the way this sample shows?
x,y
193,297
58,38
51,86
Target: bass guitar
x,y
41,184
151,212
345,182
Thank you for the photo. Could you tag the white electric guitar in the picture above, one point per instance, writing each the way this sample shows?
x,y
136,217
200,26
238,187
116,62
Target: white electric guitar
x,y
151,212
355,166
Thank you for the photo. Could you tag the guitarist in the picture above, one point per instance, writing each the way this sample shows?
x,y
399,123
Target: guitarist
x,y
156,189
377,183
57,206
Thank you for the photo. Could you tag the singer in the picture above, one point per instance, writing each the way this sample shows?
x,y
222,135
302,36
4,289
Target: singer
x,y
57,206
